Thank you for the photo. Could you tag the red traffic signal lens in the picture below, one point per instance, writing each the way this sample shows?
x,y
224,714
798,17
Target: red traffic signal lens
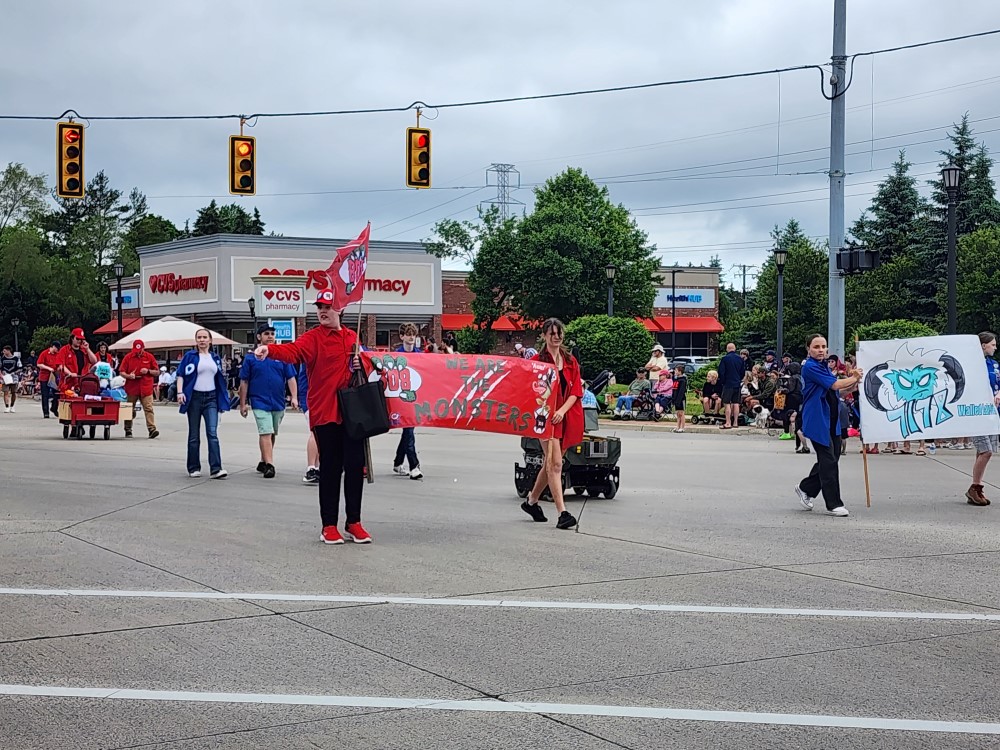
x,y
422,141
70,135
243,148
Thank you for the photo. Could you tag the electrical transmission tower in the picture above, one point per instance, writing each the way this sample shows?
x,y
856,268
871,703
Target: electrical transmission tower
x,y
503,174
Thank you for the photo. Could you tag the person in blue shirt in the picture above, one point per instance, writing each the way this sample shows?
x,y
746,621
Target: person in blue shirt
x,y
820,423
262,382
312,450
407,448
202,395
986,445
732,368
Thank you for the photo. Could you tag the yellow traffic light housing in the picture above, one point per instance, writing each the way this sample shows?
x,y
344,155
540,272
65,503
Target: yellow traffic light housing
x,y
69,160
242,165
418,157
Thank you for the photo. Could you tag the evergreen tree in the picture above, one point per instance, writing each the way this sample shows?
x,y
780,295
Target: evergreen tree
x,y
209,221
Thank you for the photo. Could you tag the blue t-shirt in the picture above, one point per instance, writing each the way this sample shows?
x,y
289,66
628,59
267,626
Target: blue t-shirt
x,y
266,382
993,370
302,380
820,409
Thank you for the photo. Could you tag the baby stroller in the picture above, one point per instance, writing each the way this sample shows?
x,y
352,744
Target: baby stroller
x,y
597,387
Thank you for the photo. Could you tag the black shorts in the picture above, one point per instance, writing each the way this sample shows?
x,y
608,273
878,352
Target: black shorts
x,y
731,395
679,402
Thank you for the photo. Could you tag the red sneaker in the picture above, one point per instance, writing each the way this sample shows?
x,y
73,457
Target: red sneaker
x,y
330,535
356,532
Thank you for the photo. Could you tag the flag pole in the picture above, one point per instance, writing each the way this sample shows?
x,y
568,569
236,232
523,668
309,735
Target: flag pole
x,y
864,449
359,374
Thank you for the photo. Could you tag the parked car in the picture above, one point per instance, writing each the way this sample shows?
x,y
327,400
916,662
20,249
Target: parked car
x,y
690,368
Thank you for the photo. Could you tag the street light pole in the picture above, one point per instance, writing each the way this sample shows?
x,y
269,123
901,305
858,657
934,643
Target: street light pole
x,y
252,304
780,256
673,311
16,322
952,176
119,270
611,269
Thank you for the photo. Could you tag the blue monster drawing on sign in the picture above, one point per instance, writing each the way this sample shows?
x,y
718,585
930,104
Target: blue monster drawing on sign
x,y
915,388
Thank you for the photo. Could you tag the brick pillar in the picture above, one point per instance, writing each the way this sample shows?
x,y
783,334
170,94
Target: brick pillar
x,y
436,328
300,326
370,330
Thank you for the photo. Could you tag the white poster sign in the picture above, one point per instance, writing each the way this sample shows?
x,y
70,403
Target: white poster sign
x,y
925,388
685,298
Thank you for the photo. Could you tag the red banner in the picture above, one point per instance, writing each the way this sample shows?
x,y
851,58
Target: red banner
x,y
347,272
508,395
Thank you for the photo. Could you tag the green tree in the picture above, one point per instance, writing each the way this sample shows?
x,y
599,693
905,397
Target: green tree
x,y
805,295
566,242
978,281
22,195
617,344
148,230
229,219
891,224
45,335
889,329
25,275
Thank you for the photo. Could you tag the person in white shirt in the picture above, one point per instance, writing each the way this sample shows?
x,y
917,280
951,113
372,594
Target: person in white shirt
x,y
657,362
163,383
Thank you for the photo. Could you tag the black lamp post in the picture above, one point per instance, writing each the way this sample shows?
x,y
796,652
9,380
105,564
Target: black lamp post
x,y
252,304
952,177
119,270
611,269
16,322
780,256
673,312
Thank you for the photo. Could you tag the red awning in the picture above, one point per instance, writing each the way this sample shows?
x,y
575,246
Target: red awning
x,y
649,324
129,325
700,324
455,322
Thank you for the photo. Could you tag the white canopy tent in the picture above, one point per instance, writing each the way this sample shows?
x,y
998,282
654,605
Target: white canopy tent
x,y
169,333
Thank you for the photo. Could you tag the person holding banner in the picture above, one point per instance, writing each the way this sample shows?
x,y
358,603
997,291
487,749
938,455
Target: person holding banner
x,y
329,352
407,448
821,424
567,422
986,445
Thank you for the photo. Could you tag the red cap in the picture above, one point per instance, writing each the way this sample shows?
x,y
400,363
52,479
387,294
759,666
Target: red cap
x,y
138,344
325,297
78,333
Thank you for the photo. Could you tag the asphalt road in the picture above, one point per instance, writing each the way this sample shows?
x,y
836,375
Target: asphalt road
x,y
701,608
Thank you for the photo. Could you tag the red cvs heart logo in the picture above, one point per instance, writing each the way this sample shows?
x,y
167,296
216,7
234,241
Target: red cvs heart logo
x,y
269,294
152,283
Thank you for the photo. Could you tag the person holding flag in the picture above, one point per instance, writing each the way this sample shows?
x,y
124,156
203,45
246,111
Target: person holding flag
x,y
330,353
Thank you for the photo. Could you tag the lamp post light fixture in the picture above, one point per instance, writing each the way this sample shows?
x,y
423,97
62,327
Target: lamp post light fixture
x,y
252,304
16,322
610,270
119,270
780,257
951,175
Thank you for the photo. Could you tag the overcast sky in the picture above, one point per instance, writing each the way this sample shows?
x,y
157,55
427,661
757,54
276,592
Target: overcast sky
x,y
326,176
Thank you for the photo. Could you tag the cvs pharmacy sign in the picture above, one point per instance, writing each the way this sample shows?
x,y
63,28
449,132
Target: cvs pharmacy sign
x,y
283,301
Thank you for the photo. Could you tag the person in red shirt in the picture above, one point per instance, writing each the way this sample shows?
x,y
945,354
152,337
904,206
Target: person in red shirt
x,y
75,359
105,355
567,424
48,363
140,370
329,351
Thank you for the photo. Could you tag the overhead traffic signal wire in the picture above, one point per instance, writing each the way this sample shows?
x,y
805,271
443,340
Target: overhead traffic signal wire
x,y
513,99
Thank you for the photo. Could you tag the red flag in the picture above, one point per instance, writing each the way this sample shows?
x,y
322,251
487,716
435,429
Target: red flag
x,y
347,272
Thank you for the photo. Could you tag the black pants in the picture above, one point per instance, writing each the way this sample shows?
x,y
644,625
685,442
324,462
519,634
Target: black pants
x,y
339,455
825,474
49,391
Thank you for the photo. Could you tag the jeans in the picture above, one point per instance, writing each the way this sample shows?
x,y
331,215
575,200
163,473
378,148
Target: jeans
x,y
407,449
825,474
339,455
203,404
624,402
50,391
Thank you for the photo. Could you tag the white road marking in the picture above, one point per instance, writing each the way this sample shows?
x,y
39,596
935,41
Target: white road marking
x,y
495,706
506,603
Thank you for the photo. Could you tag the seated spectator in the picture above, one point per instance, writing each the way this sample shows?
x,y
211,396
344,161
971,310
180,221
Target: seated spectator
x,y
753,384
663,391
768,389
711,393
637,386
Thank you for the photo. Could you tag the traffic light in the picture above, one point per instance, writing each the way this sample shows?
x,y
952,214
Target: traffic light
x,y
242,165
418,157
69,160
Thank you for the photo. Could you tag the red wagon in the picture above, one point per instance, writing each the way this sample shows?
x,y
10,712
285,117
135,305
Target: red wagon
x,y
78,414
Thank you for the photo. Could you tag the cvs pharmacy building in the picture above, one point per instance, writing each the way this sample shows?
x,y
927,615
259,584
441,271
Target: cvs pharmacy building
x,y
210,280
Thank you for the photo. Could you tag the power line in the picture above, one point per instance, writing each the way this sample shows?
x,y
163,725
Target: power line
x,y
506,100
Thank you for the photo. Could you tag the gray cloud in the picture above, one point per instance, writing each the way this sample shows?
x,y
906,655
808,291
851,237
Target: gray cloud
x,y
241,57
